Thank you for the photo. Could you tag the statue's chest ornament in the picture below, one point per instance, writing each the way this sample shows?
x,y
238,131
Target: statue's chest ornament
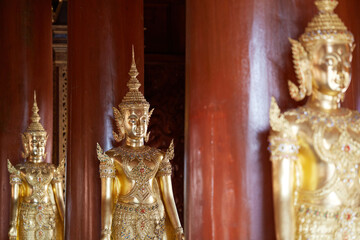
x,y
39,177
140,166
342,150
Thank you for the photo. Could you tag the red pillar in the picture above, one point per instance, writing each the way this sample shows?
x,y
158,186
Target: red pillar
x,y
237,57
25,66
99,56
348,11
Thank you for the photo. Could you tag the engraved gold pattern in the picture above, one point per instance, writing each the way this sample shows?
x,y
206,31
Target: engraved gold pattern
x,y
139,221
141,173
316,221
326,25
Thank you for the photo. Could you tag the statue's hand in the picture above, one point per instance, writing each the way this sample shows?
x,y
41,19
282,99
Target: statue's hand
x,y
106,234
12,233
180,236
105,237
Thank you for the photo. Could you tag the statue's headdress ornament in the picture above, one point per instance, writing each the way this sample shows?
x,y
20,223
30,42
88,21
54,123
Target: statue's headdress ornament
x,y
133,98
35,127
326,25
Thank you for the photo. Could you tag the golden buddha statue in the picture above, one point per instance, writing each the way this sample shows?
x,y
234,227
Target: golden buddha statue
x,y
137,201
37,202
315,149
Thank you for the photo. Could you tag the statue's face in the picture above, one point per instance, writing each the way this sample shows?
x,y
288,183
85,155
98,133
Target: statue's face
x,y
136,122
330,68
37,145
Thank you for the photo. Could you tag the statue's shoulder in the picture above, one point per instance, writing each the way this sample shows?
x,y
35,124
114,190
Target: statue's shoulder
x,y
355,115
154,151
354,120
158,154
50,166
112,153
21,167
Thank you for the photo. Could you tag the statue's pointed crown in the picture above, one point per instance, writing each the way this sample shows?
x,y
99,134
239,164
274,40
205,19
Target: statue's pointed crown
x,y
133,98
326,25
35,126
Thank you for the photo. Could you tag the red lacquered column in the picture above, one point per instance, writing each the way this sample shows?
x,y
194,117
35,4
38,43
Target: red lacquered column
x,y
348,11
100,37
237,57
25,66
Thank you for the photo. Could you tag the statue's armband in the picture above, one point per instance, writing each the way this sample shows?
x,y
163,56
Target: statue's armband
x,y
283,142
107,167
165,168
283,148
15,174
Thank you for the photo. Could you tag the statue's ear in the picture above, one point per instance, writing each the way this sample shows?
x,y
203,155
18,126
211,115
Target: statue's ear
x,y
119,120
147,137
353,47
150,113
302,70
25,143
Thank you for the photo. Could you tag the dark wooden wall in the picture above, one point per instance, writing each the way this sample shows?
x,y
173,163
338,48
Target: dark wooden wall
x,y
164,22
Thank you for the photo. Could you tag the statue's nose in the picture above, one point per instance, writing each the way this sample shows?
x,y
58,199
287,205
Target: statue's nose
x,y
340,67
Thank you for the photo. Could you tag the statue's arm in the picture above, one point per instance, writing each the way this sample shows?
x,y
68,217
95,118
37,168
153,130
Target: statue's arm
x,y
284,152
15,181
107,175
283,192
168,196
164,175
106,207
59,188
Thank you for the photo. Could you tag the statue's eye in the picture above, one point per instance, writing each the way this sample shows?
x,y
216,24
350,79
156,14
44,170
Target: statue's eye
x,y
340,51
143,119
132,120
347,64
330,61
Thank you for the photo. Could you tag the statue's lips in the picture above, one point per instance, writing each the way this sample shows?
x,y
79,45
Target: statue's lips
x,y
139,132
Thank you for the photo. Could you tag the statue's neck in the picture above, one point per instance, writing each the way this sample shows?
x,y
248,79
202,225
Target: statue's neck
x,y
35,159
323,101
134,142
